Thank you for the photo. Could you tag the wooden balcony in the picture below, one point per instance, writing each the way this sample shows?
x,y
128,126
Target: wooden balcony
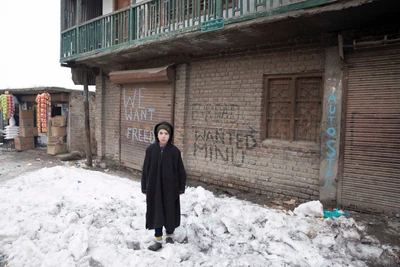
x,y
152,20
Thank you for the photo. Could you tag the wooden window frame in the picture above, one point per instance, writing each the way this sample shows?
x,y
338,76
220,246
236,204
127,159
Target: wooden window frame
x,y
293,98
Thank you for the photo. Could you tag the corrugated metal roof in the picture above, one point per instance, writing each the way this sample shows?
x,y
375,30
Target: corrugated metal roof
x,y
37,90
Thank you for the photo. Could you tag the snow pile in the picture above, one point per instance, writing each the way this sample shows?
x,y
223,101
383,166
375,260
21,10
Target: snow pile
x,y
312,208
64,216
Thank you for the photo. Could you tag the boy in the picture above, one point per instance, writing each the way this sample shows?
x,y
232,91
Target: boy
x,y
163,180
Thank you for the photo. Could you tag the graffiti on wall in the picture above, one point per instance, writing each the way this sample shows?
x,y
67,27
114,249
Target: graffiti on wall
x,y
133,108
137,133
221,144
331,131
227,145
135,111
226,113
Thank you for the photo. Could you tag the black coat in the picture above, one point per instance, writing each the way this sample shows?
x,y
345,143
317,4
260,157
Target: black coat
x,y
163,180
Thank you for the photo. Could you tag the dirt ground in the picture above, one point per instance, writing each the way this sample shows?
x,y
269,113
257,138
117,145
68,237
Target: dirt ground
x,y
12,163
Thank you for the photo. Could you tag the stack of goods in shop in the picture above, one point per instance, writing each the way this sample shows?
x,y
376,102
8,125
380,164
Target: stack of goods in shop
x,y
43,102
7,105
11,131
27,132
56,143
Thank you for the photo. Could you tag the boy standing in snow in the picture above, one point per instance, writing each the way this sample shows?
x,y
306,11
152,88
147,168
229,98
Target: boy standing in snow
x,y
163,180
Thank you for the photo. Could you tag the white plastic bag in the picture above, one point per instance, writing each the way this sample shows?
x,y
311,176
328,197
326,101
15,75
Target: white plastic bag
x,y
12,121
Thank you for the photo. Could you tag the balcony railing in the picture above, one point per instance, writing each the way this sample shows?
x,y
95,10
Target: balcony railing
x,y
157,18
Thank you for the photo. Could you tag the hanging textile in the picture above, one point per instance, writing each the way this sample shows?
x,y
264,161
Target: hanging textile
x,y
7,105
43,113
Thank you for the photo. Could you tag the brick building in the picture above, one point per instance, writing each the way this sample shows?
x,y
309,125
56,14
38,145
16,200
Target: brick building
x,y
293,99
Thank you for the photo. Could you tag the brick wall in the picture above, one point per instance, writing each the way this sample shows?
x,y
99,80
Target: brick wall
x,y
223,101
108,112
77,134
218,118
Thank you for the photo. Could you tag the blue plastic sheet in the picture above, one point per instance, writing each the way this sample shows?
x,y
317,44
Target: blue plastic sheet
x,y
336,213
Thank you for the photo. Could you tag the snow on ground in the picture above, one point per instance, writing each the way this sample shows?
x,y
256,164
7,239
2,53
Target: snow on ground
x,y
64,216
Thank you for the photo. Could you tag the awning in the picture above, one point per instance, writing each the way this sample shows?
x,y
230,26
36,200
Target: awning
x,y
161,74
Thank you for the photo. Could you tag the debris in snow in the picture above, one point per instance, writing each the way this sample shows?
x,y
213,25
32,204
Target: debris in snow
x,y
290,202
3,261
277,202
398,260
133,245
276,207
94,263
103,165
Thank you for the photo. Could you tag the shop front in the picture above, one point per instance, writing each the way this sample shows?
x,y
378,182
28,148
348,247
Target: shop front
x,y
146,99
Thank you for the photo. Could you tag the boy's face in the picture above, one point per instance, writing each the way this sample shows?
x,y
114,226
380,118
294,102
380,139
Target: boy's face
x,y
163,137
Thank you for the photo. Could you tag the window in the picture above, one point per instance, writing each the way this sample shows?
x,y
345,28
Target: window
x,y
293,107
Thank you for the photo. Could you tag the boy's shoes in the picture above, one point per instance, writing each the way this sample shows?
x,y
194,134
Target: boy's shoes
x,y
156,246
169,240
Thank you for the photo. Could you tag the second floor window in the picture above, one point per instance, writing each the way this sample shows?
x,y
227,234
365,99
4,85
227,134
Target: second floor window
x,y
293,107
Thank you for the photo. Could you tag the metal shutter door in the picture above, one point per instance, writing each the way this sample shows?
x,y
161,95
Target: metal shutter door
x,y
371,165
143,105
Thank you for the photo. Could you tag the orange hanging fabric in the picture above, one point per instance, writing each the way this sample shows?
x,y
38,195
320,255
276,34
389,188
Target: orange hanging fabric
x,y
43,111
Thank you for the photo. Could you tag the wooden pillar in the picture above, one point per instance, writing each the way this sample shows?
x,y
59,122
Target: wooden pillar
x,y
87,120
78,19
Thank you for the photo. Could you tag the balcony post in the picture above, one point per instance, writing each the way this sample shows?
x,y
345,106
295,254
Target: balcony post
x,y
78,22
130,31
78,12
218,8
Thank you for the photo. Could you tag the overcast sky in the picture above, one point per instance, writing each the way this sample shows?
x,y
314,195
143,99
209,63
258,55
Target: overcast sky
x,y
30,45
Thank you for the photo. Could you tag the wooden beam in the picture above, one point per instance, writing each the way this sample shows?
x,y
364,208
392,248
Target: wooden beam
x,y
87,122
55,98
162,74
